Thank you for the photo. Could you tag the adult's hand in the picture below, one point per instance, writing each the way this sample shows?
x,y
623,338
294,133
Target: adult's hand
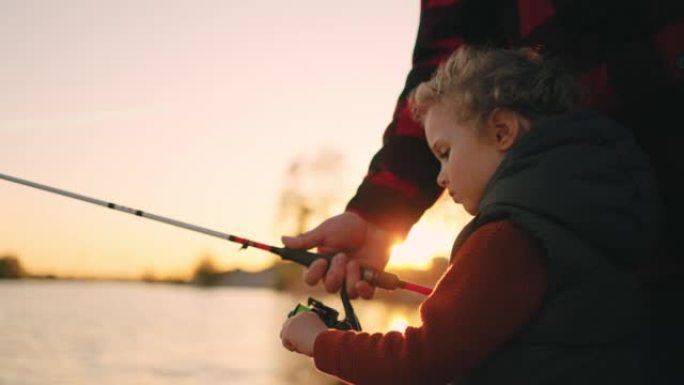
x,y
355,243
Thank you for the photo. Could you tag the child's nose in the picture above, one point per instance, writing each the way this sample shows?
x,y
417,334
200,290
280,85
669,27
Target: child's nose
x,y
441,179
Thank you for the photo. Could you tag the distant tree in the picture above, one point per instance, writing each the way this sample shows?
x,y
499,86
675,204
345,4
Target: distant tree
x,y
149,277
206,272
288,276
311,188
10,268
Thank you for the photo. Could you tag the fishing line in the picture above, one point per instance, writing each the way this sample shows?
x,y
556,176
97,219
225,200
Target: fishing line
x,y
376,278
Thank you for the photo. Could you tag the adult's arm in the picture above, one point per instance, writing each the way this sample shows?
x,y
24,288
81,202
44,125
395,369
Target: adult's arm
x,y
401,180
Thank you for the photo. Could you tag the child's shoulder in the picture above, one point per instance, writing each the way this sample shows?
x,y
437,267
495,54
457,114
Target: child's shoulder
x,y
499,232
496,252
498,238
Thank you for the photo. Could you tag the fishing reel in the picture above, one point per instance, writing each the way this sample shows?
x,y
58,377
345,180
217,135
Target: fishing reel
x,y
329,315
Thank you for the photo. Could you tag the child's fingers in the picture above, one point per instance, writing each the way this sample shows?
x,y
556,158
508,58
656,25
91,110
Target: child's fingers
x,y
284,338
286,324
289,346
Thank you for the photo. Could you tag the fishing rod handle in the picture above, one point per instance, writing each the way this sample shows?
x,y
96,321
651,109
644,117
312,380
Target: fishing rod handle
x,y
381,279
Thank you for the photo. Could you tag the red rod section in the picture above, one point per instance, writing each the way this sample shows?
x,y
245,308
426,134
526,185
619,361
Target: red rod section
x,y
416,288
247,242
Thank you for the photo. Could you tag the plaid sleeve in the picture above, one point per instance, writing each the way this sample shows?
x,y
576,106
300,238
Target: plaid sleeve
x,y
401,180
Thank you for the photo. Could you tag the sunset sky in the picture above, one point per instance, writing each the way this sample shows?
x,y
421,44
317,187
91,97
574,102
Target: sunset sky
x,y
192,110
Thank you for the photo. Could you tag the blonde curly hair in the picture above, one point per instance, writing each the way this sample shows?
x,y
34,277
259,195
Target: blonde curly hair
x,y
475,81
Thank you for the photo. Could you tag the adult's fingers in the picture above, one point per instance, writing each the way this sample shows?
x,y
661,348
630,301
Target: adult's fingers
x,y
304,241
335,275
315,272
365,289
353,276
327,250
355,285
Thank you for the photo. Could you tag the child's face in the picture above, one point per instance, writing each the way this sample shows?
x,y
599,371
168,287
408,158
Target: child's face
x,y
468,158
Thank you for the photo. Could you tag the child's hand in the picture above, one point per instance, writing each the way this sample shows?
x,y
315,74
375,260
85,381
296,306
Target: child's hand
x,y
299,332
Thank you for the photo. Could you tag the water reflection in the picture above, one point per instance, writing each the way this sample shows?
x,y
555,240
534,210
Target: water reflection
x,y
114,333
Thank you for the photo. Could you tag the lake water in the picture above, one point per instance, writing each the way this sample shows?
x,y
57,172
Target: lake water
x,y
67,332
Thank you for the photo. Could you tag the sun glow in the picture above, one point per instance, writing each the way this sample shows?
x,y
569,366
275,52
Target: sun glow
x,y
424,242
398,323
432,236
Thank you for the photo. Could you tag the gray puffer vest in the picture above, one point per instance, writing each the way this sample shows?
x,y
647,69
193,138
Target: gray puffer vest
x,y
579,185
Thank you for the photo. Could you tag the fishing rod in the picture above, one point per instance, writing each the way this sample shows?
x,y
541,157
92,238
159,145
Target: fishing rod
x,y
376,278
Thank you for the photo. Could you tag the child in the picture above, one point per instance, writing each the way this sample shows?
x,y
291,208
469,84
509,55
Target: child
x,y
540,288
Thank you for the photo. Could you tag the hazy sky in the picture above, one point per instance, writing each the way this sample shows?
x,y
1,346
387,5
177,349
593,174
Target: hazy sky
x,y
187,109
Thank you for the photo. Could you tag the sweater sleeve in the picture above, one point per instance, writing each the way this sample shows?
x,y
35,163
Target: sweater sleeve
x,y
401,180
493,286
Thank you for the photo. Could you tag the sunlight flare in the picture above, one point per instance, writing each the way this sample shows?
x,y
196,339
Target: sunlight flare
x,y
424,242
398,322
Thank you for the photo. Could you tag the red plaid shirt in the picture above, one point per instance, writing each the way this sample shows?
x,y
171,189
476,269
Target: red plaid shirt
x,y
629,55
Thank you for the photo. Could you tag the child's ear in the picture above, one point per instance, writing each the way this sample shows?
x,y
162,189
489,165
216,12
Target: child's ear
x,y
506,126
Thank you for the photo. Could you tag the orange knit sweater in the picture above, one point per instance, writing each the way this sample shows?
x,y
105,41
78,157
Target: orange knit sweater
x,y
493,286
